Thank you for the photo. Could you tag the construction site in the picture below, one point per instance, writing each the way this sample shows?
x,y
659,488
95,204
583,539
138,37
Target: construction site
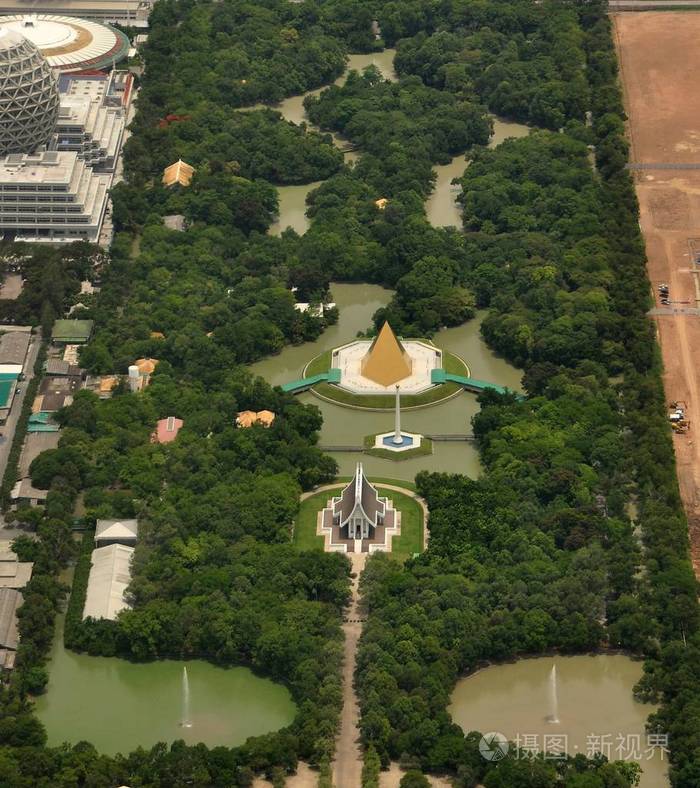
x,y
659,63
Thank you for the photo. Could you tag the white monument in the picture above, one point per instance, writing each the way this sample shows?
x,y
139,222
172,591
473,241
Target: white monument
x,y
398,440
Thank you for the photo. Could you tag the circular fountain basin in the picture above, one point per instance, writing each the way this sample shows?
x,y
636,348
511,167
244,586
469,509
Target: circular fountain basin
x,y
587,706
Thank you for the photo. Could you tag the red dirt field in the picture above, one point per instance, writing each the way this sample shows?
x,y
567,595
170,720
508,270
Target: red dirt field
x,y
660,63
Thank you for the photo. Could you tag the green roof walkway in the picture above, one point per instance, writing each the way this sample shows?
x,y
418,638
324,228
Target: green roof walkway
x,y
295,386
470,384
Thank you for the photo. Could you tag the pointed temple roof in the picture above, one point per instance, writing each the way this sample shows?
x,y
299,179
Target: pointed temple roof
x,y
181,172
386,361
359,494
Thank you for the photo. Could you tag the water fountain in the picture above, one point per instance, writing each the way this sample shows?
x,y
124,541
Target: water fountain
x,y
553,716
186,722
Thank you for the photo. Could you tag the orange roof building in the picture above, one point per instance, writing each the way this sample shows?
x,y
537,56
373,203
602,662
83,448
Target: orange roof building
x,y
265,417
246,418
181,172
146,366
107,383
386,362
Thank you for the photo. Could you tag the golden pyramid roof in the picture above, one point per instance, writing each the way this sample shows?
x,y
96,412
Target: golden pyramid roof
x,y
386,362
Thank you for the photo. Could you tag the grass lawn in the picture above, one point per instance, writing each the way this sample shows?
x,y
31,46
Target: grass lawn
x,y
411,539
451,363
403,547
305,525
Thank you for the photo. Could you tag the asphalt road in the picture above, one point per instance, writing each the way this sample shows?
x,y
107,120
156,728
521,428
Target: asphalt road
x,y
8,430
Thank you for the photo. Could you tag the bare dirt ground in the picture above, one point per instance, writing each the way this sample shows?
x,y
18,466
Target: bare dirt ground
x,y
305,777
11,287
392,778
660,61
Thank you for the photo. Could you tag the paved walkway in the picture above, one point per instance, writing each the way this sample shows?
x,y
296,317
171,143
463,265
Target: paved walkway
x,y
347,766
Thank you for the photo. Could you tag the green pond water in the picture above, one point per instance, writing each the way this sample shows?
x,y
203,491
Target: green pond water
x,y
343,426
292,199
118,705
441,207
589,696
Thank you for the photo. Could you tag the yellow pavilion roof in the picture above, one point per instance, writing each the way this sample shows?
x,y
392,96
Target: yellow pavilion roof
x,y
180,172
386,362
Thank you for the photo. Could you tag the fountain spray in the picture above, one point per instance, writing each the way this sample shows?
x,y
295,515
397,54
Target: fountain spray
x,y
186,722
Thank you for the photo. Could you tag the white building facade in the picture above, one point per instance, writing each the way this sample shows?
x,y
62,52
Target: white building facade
x,y
91,130
52,196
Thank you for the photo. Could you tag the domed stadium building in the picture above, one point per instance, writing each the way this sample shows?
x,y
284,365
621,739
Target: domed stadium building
x,y
71,44
28,95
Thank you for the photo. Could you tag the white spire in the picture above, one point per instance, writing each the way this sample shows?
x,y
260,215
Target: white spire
x,y
398,440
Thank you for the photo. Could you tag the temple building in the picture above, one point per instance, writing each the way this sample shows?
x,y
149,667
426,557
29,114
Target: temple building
x,y
359,520
359,510
386,362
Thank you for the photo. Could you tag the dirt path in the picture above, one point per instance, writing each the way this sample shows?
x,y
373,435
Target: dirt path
x,y
659,61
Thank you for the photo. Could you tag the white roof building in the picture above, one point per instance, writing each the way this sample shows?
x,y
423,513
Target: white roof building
x,y
10,601
69,43
51,196
110,575
116,532
130,12
13,573
92,130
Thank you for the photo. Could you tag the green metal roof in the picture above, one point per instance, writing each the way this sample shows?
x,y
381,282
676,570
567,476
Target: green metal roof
x,y
5,392
41,422
471,384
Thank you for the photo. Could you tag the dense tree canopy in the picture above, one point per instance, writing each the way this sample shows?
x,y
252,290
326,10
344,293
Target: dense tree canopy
x,y
539,553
